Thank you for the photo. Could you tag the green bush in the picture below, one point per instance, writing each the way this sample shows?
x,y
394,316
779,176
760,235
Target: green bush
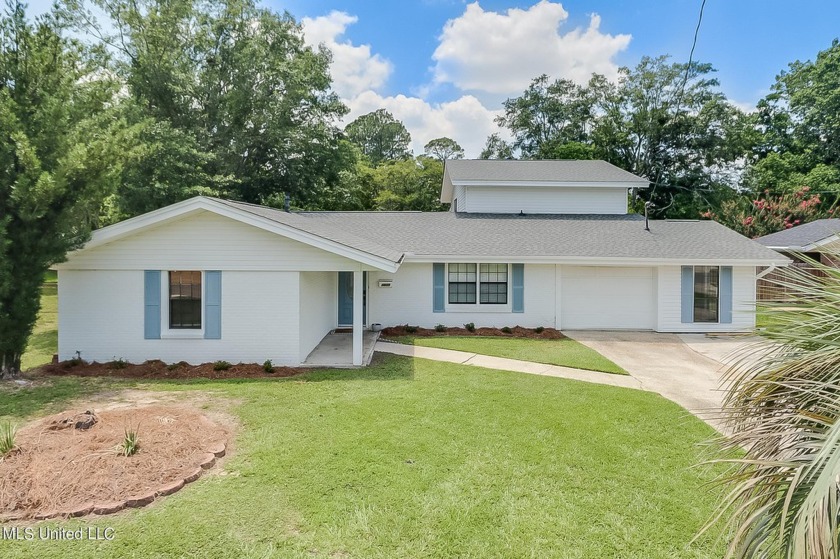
x,y
410,329
440,328
470,326
507,330
7,438
539,329
268,366
130,443
119,363
221,366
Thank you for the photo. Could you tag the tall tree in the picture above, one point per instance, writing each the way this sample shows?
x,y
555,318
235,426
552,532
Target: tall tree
x,y
443,149
233,90
58,159
496,148
380,137
410,184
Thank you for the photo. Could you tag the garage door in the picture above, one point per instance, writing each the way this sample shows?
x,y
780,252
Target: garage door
x,y
597,297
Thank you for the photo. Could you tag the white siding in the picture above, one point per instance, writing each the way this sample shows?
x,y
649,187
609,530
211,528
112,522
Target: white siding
x,y
409,300
318,308
207,241
544,200
670,308
608,298
101,315
459,193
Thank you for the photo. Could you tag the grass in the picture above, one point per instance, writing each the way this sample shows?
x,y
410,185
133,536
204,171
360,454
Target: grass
x,y
565,352
416,458
7,437
43,342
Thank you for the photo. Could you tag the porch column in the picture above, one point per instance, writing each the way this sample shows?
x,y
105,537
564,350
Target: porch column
x,y
358,337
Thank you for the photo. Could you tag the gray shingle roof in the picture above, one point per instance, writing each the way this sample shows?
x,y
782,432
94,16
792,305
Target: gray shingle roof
x,y
802,235
559,170
560,236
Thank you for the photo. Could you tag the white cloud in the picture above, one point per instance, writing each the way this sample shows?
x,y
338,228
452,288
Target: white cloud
x,y
354,69
465,119
499,53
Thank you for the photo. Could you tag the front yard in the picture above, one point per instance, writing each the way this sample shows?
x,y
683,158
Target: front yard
x,y
414,458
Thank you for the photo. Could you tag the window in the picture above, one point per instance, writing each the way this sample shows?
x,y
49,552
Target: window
x,y
706,293
488,281
462,278
493,289
184,300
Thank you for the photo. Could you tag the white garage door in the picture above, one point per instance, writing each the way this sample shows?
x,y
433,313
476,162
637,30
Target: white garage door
x,y
599,297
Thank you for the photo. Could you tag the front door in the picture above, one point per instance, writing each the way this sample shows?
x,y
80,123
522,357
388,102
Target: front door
x,y
345,298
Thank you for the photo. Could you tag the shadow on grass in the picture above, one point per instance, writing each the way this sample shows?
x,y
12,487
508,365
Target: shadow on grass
x,y
51,394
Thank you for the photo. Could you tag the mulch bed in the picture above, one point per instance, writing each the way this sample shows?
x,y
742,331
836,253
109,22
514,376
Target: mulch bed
x,y
69,465
515,332
159,370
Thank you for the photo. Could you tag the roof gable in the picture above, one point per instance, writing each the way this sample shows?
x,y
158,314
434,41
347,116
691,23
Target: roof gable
x,y
807,236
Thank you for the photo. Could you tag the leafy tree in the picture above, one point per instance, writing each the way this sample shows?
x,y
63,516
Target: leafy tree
x,y
557,112
496,148
770,213
443,149
411,184
557,149
380,137
58,159
235,97
800,129
781,414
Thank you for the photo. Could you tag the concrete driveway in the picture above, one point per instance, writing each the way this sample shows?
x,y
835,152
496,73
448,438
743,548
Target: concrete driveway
x,y
685,368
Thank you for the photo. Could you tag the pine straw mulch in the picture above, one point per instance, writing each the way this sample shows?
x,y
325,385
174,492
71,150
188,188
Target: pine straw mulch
x,y
515,332
59,470
159,370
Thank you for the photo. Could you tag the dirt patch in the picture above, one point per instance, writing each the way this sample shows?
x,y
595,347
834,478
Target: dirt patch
x,y
58,469
159,370
515,332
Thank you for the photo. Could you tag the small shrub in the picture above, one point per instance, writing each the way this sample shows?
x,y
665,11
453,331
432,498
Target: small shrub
x,y
440,328
7,438
470,326
130,443
507,330
76,361
119,363
268,366
410,329
221,366
539,329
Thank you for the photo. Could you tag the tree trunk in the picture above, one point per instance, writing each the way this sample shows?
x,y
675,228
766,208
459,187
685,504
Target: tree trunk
x,y
9,365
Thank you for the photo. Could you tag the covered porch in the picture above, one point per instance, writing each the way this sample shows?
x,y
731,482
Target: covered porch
x,y
337,350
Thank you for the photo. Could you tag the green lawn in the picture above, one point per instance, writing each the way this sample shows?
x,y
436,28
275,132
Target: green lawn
x,y
565,352
43,342
416,458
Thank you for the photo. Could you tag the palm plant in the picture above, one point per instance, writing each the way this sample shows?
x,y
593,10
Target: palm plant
x,y
781,414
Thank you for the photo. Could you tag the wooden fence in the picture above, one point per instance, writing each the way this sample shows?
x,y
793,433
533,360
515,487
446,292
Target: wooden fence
x,y
776,286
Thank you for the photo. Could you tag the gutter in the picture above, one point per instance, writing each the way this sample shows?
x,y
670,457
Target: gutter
x,y
765,272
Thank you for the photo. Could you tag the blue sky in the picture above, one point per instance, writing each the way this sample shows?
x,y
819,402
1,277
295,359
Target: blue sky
x,y
445,66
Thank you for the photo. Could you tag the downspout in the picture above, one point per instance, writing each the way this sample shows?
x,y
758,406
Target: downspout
x,y
765,272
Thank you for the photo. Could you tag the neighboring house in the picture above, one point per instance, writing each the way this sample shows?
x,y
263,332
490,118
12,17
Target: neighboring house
x,y
530,243
809,240
802,244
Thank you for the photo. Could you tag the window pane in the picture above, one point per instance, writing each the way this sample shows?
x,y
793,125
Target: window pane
x,y
185,299
461,293
706,288
493,290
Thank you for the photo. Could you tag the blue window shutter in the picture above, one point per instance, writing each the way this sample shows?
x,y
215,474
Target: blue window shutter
x,y
212,305
439,289
518,277
151,302
687,299
725,295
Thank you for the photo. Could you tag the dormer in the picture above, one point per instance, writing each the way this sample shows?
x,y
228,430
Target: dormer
x,y
537,187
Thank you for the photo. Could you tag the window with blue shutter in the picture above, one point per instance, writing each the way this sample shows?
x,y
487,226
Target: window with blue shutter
x,y
438,287
518,279
151,314
687,298
726,295
213,305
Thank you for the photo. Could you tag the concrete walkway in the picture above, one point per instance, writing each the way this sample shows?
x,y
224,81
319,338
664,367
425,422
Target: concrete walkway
x,y
489,362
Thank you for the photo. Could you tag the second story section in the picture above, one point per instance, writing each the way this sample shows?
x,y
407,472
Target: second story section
x,y
537,187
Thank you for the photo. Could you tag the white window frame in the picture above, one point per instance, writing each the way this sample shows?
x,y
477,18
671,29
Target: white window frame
x,y
179,333
694,297
478,306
